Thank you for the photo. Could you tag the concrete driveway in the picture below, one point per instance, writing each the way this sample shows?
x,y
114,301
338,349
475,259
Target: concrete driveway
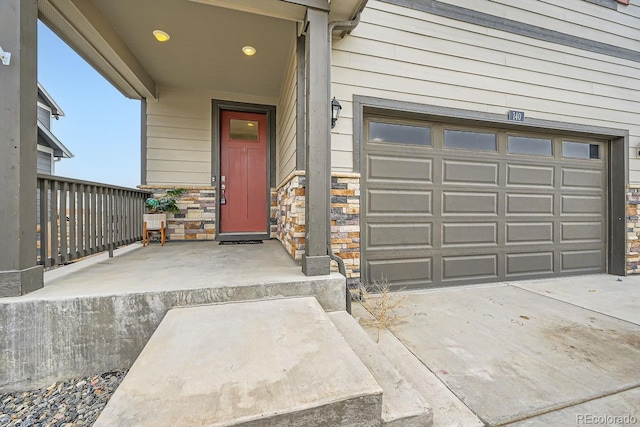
x,y
559,352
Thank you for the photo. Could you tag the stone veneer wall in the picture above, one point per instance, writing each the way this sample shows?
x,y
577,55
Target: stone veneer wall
x,y
197,217
290,217
633,230
345,218
273,214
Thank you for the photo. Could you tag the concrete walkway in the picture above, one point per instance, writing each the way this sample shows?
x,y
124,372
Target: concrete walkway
x,y
532,353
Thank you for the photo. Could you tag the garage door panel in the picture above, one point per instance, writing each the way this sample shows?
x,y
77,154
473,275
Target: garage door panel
x,y
529,233
400,272
470,267
529,204
469,173
397,202
530,176
581,205
396,168
581,179
582,260
398,236
466,203
469,234
524,264
442,215
581,231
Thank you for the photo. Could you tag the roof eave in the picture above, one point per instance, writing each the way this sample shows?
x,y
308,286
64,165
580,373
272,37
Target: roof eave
x,y
59,150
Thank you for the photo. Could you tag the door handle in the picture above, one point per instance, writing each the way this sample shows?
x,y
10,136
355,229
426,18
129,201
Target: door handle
x,y
223,199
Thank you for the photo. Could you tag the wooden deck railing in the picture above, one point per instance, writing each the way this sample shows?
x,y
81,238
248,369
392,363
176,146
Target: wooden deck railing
x,y
80,218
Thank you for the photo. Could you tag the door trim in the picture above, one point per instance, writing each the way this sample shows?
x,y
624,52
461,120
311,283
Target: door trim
x,y
217,105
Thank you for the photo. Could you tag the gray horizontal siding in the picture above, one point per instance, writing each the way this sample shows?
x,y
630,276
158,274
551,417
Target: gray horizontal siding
x,y
44,116
178,135
44,163
404,54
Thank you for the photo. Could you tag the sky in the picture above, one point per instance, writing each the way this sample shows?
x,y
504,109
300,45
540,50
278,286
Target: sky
x,y
100,126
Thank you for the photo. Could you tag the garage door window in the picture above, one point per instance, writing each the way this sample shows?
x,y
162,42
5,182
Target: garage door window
x,y
470,140
580,150
399,134
530,146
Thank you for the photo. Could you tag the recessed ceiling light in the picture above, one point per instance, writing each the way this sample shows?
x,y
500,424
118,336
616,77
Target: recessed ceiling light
x,y
250,124
249,50
161,36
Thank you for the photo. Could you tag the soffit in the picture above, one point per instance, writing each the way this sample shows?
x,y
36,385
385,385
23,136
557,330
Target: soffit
x,y
345,10
115,37
204,51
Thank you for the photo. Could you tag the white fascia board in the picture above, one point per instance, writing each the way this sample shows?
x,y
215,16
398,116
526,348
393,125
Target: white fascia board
x,y
50,102
54,142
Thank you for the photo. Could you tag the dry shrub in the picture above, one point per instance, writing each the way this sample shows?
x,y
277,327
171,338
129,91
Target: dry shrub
x,y
378,299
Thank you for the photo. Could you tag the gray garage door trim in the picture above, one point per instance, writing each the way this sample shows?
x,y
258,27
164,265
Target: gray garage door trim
x,y
435,215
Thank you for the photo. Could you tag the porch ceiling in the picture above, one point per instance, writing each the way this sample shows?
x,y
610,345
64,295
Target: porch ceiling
x,y
115,37
204,51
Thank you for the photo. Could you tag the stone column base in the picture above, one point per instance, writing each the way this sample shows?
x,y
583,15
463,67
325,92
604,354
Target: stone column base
x,y
14,283
316,265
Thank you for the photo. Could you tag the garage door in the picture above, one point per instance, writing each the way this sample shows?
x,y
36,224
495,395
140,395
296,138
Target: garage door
x,y
448,205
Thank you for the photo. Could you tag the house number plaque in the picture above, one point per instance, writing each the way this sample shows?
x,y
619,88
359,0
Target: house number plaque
x,y
516,116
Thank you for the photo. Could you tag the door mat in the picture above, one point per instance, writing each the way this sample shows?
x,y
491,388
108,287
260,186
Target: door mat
x,y
242,242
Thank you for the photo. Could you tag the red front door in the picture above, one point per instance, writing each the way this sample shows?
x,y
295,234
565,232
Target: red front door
x,y
243,172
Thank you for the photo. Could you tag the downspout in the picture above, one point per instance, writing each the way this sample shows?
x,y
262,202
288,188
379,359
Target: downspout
x,y
344,26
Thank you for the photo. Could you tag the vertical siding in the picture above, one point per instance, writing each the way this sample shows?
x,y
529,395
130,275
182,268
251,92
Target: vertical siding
x,y
402,54
179,135
286,121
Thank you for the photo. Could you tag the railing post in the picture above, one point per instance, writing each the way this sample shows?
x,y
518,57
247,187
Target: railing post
x,y
94,220
81,230
110,196
53,208
100,219
44,222
64,246
73,223
87,219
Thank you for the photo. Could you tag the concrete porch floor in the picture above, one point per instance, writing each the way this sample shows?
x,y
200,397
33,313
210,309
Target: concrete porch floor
x,y
175,266
97,315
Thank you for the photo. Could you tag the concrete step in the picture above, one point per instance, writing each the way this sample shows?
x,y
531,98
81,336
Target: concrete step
x,y
265,363
448,410
113,320
401,405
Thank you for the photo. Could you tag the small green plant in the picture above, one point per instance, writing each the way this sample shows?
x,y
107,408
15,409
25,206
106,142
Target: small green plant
x,y
381,303
166,203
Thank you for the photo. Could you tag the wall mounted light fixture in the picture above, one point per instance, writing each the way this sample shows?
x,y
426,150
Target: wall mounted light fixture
x,y
335,111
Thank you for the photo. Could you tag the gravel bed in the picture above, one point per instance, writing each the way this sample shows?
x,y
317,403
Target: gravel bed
x,y
76,402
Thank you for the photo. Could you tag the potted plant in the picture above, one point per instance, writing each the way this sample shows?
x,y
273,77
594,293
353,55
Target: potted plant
x,y
156,217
